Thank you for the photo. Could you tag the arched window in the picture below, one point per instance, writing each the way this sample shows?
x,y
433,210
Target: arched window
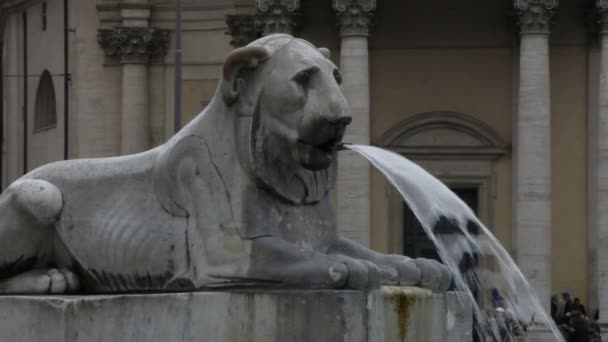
x,y
46,107
458,149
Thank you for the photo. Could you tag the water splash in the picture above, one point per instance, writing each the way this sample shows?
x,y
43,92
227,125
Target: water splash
x,y
479,262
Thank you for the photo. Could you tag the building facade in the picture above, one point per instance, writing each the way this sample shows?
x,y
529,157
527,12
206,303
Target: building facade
x,y
506,101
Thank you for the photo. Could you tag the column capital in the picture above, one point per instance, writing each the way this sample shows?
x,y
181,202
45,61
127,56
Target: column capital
x,y
277,16
133,44
242,29
534,16
355,16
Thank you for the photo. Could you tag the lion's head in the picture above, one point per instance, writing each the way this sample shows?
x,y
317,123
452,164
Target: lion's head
x,y
291,94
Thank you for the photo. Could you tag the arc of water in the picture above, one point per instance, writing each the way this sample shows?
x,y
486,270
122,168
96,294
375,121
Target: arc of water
x,y
433,202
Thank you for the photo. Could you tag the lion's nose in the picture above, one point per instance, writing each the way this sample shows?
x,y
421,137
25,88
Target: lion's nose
x,y
345,120
341,120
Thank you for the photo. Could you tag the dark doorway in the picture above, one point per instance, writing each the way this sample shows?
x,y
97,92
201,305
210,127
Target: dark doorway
x,y
416,244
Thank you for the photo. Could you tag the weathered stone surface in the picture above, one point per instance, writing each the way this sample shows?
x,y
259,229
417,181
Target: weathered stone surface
x,y
412,314
532,221
238,197
388,315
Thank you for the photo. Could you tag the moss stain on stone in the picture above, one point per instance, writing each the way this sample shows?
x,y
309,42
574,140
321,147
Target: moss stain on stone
x,y
403,304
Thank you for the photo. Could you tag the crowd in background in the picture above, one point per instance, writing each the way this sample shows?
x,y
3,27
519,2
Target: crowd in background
x,y
501,325
570,316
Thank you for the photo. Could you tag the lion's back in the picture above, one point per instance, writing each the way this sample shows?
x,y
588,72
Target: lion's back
x,y
111,208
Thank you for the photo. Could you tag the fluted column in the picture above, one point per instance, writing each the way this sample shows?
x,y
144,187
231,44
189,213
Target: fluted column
x,y
353,189
532,226
133,47
599,192
277,16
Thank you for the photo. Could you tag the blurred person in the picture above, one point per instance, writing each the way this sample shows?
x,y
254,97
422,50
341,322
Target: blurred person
x,y
578,306
496,327
515,327
560,306
568,304
594,331
497,299
554,303
578,328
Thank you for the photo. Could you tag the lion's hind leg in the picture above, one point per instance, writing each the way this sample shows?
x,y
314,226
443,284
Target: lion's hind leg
x,y
29,208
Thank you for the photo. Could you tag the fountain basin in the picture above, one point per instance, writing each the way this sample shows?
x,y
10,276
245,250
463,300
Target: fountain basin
x,y
389,314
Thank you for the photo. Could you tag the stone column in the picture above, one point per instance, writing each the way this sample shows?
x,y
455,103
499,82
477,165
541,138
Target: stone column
x,y
532,226
133,47
277,16
353,187
599,192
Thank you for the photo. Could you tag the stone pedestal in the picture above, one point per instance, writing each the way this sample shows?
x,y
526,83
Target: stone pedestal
x,y
386,315
399,314
540,334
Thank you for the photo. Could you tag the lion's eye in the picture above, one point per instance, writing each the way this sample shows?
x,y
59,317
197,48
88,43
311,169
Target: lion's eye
x,y
338,77
303,77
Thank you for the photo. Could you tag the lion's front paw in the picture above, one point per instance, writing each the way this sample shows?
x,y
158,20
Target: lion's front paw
x,y
426,273
363,274
433,275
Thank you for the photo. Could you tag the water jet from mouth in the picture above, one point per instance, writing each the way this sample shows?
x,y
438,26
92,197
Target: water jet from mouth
x,y
441,213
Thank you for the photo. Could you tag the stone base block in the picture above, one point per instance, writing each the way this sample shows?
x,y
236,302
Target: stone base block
x,y
535,334
389,314
412,314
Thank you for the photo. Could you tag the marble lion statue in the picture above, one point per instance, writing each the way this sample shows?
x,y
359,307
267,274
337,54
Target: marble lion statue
x,y
237,198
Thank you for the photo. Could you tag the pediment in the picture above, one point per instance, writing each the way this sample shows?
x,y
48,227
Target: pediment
x,y
440,136
445,134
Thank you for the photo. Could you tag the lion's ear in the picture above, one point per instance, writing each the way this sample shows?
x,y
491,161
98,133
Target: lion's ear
x,y
325,52
239,59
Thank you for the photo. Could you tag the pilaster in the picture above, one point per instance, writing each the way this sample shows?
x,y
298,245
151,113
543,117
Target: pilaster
x,y
598,159
532,167
354,173
133,44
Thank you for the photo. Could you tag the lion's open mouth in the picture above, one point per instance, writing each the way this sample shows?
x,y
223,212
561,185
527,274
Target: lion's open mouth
x,y
330,145
318,142
318,156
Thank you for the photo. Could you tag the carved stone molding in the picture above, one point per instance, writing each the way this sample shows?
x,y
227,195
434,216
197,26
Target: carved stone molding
x,y
355,16
242,29
602,16
446,135
534,16
133,44
277,16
